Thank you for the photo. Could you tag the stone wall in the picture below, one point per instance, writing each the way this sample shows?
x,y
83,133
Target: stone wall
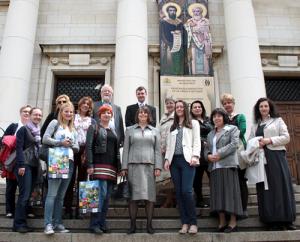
x,y
94,22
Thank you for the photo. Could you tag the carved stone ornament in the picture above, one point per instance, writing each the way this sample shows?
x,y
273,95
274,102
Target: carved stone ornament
x,y
269,62
55,61
103,61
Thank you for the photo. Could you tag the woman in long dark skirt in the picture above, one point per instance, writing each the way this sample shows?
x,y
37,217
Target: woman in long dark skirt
x,y
276,206
221,152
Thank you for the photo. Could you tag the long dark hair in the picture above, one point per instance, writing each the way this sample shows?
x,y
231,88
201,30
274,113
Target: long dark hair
x,y
187,122
273,111
203,114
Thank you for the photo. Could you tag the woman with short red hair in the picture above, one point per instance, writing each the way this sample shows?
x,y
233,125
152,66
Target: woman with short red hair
x,y
103,160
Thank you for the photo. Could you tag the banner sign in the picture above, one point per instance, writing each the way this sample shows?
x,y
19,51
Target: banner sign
x,y
185,39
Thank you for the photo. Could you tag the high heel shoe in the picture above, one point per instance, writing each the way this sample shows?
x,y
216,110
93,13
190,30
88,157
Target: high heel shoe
x,y
132,228
230,229
221,229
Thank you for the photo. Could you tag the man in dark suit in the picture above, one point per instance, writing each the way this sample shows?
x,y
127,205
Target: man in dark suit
x,y
141,94
116,123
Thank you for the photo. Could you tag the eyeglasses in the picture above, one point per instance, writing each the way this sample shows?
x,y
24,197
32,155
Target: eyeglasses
x,y
61,102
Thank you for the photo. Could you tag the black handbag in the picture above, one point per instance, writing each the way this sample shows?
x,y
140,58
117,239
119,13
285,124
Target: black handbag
x,y
9,163
29,157
44,149
44,152
121,190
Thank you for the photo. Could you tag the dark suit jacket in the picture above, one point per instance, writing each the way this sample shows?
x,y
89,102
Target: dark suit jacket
x,y
119,126
131,112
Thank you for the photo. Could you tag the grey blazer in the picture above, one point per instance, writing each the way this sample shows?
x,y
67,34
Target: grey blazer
x,y
119,126
142,147
227,145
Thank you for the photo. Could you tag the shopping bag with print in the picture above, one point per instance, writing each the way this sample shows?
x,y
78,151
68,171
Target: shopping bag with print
x,y
89,196
58,163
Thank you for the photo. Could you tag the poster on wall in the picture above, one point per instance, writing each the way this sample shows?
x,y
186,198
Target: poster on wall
x,y
185,38
189,89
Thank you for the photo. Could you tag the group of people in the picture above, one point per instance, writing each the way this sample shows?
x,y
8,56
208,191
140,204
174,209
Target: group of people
x,y
186,144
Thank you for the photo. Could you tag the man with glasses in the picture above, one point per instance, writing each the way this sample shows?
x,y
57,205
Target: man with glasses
x,y
116,123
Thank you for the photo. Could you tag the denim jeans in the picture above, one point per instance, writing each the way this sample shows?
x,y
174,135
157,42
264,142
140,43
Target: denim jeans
x,y
98,220
183,176
25,184
57,188
10,195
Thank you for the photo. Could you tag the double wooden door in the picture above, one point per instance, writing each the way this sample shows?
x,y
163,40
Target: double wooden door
x,y
290,112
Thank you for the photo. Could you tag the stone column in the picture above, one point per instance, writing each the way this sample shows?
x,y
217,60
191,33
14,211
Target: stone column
x,y
16,58
245,69
131,64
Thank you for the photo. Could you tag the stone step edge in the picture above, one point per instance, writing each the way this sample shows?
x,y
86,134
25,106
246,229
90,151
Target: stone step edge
x,y
157,237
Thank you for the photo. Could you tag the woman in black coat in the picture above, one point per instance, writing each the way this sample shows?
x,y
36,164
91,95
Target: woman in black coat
x,y
28,142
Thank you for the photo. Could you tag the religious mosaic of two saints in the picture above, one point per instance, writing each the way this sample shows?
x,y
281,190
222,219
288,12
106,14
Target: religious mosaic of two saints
x,y
185,39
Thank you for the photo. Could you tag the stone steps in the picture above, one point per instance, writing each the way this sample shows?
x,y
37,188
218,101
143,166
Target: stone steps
x,y
122,224
117,212
262,236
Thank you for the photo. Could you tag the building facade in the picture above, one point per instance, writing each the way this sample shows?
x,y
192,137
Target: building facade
x,y
54,46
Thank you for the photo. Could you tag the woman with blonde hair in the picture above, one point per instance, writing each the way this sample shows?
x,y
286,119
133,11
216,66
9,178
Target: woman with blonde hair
x,y
238,120
82,121
59,133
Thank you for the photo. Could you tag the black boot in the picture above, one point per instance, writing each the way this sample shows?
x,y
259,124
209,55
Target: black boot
x,y
149,213
132,214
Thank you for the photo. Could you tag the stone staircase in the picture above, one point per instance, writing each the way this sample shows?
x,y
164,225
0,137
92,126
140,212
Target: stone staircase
x,y
166,223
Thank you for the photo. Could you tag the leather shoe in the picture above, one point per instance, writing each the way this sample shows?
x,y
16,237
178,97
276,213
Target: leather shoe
x,y
22,229
221,229
230,229
105,230
131,230
150,230
96,230
291,227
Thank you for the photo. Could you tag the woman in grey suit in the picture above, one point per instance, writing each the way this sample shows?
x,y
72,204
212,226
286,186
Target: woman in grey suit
x,y
142,163
221,152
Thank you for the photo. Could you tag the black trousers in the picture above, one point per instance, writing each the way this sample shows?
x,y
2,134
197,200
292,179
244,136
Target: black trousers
x,y
197,185
10,195
244,188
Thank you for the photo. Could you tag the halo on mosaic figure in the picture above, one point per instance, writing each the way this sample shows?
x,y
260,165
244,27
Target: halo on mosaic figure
x,y
197,5
175,5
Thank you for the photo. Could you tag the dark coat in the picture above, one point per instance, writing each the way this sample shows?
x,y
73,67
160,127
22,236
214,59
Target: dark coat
x,y
49,118
131,112
119,126
24,140
11,129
